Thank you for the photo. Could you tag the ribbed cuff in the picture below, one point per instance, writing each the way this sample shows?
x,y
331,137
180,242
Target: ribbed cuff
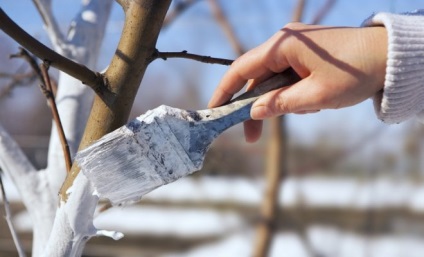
x,y
403,93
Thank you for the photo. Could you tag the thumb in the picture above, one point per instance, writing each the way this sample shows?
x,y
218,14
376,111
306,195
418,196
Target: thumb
x,y
296,98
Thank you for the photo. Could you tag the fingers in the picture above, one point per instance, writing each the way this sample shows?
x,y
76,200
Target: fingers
x,y
252,130
257,64
302,97
306,96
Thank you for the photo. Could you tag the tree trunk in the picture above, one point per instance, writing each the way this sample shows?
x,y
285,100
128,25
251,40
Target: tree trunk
x,y
276,170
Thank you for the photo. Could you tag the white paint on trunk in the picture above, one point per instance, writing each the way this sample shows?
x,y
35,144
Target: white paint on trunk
x,y
73,224
73,221
32,186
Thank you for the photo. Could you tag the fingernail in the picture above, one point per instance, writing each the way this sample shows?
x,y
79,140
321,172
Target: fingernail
x,y
211,102
260,112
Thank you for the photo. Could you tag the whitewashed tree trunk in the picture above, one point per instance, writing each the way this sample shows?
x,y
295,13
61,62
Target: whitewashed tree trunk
x,y
73,224
73,98
63,230
33,187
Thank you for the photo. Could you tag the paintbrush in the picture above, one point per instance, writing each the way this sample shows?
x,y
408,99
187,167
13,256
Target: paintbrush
x,y
163,145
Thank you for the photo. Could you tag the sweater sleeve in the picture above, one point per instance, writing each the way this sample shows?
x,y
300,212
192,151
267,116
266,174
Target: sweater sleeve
x,y
403,94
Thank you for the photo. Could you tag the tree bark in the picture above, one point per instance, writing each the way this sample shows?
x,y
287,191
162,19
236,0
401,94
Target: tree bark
x,y
136,47
73,225
276,170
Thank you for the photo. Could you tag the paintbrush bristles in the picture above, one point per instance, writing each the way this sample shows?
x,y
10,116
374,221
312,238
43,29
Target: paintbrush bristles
x,y
136,158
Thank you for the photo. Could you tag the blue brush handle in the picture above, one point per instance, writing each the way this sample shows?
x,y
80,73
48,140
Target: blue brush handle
x,y
279,80
238,109
205,125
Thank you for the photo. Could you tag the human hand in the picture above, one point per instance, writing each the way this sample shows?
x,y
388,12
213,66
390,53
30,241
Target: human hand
x,y
339,67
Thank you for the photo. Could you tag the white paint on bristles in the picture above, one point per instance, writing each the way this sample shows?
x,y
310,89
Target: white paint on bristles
x,y
135,159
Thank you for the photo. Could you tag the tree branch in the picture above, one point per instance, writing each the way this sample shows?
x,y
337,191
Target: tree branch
x,y
226,26
185,55
16,80
13,160
50,23
30,60
74,100
92,79
179,8
46,88
32,187
8,218
72,225
322,12
125,72
298,11
16,76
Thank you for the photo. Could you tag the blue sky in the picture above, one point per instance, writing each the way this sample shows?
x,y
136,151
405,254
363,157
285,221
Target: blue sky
x,y
254,22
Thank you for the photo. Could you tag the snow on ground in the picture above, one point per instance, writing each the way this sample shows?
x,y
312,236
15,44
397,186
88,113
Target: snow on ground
x,y
210,189
159,221
234,245
238,239
334,242
168,221
324,241
314,191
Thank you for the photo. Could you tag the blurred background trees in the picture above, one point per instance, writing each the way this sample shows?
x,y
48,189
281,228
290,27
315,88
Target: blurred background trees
x,y
354,186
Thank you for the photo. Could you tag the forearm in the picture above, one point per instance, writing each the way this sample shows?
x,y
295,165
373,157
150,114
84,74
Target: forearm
x,y
403,93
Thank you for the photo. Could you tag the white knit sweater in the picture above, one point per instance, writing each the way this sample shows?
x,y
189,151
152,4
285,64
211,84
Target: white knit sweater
x,y
403,93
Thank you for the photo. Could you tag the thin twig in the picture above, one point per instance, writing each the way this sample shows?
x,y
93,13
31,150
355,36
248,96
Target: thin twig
x,y
298,11
226,26
8,218
30,59
196,57
50,23
16,80
25,78
24,54
8,75
46,88
92,79
323,11
179,8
